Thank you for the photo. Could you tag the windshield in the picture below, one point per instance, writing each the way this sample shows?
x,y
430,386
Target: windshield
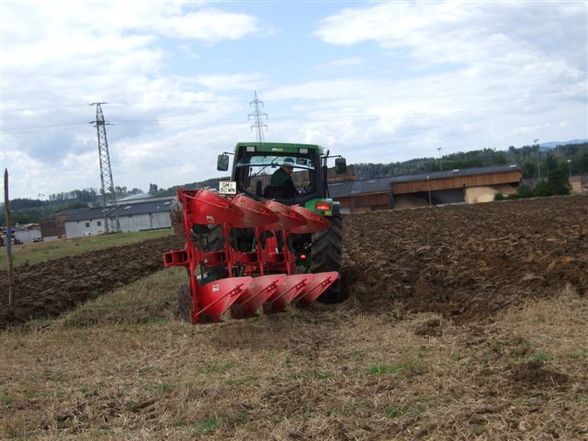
x,y
276,161
254,174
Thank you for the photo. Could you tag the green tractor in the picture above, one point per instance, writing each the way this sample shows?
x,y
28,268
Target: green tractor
x,y
254,163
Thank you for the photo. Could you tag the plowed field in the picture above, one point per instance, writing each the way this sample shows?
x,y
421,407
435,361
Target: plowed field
x,y
467,262
49,288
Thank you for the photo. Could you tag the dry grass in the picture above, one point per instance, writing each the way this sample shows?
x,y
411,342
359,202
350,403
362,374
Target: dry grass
x,y
30,253
122,368
149,300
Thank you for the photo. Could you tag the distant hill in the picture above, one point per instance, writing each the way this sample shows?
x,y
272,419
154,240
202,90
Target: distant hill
x,y
552,144
527,157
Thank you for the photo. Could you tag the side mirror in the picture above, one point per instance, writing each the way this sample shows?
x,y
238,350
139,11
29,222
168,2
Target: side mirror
x,y
222,163
340,166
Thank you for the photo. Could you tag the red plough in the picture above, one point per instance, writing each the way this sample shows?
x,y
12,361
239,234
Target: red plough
x,y
227,277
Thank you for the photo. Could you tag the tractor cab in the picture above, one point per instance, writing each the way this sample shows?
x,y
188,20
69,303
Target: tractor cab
x,y
259,168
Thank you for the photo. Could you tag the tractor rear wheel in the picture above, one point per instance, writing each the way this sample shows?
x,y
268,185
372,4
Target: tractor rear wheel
x,y
327,256
176,214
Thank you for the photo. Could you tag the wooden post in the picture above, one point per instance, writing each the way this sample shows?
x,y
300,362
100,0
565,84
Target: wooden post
x,y
8,242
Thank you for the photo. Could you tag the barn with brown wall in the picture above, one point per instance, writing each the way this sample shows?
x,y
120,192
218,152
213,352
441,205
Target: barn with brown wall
x,y
472,185
54,227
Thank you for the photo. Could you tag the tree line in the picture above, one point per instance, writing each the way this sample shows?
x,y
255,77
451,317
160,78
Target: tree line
x,y
554,180
531,159
25,211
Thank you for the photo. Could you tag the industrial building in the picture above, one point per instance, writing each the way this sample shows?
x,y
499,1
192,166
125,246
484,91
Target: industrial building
x,y
471,185
54,227
133,215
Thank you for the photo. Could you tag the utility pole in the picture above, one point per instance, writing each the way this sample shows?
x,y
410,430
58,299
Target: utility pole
x,y
8,242
440,160
259,116
536,143
106,181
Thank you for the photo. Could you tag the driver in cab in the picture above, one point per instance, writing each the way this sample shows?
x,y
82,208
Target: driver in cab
x,y
282,180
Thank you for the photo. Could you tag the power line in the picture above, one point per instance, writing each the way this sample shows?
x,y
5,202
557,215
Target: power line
x,y
39,128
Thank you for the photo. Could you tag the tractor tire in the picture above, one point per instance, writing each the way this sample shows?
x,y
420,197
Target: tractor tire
x,y
184,303
210,238
176,214
326,255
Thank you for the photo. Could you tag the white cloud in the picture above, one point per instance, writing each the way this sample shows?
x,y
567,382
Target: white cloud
x,y
463,109
179,20
459,31
221,82
484,73
209,25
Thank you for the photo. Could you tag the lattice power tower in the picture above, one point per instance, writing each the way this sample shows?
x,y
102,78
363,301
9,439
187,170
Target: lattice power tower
x,y
107,190
259,116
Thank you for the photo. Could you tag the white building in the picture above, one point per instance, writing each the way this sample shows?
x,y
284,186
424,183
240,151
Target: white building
x,y
133,215
27,233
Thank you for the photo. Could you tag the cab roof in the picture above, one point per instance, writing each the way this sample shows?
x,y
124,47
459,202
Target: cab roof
x,y
278,146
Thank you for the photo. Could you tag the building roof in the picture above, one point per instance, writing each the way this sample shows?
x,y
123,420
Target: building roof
x,y
340,189
66,212
142,197
472,171
84,214
123,209
379,185
134,197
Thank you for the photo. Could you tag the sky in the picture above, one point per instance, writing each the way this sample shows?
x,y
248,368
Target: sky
x,y
373,81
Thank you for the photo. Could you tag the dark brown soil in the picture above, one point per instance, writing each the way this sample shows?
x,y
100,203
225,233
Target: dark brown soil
x,y
49,288
466,262
534,374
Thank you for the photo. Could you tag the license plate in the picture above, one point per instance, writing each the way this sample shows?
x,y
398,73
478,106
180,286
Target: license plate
x,y
227,187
